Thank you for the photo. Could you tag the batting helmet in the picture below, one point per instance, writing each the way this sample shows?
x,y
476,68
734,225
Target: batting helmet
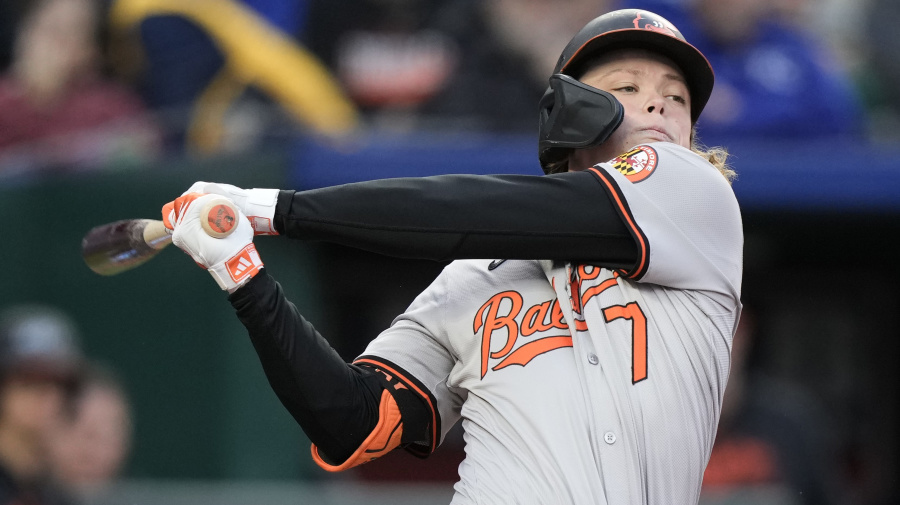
x,y
574,115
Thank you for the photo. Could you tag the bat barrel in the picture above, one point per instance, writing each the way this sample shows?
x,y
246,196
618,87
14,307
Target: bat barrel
x,y
113,248
116,247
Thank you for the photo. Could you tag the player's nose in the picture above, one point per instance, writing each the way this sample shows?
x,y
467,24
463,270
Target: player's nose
x,y
656,104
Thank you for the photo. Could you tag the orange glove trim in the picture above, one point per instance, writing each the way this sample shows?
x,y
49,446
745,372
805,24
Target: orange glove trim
x,y
172,210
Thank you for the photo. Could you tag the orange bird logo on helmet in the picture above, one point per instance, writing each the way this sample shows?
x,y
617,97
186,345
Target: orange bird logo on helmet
x,y
654,26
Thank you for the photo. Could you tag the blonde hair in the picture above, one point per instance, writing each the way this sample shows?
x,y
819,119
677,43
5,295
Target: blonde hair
x,y
716,156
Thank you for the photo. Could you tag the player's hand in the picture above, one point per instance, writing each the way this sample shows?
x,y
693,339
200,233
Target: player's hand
x,y
257,204
232,260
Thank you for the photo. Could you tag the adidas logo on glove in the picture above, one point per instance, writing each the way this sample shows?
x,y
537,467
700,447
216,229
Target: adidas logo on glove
x,y
245,264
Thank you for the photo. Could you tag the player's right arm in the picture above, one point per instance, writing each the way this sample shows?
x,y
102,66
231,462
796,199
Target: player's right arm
x,y
351,413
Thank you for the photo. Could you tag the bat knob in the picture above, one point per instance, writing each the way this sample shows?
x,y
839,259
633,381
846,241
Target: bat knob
x,y
219,217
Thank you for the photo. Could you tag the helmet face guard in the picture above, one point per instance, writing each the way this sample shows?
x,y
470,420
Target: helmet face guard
x,y
574,115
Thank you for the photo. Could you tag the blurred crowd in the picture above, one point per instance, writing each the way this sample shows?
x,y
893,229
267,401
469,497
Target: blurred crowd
x,y
65,420
109,83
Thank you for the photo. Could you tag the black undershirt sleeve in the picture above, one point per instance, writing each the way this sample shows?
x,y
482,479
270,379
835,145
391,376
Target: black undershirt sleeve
x,y
566,216
335,403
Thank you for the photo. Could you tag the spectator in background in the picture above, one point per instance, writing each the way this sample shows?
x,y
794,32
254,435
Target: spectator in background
x,y
57,107
773,445
222,76
465,65
507,48
92,445
39,367
385,53
773,79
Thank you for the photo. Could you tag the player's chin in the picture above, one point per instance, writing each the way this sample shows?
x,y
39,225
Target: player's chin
x,y
652,136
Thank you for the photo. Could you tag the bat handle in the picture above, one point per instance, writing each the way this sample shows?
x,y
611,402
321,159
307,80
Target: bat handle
x,y
155,234
219,217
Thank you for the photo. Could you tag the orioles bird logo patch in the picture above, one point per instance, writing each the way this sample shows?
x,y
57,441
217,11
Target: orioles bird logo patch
x,y
637,164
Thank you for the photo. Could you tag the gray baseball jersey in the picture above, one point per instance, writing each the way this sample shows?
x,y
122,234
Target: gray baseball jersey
x,y
579,384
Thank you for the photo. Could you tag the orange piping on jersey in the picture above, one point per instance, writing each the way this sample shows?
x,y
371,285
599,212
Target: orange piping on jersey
x,y
531,350
425,396
635,230
383,439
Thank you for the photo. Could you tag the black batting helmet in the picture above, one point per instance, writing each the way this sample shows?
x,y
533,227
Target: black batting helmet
x,y
574,115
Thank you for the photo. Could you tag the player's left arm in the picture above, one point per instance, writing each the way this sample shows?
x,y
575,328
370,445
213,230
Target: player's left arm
x,y
566,216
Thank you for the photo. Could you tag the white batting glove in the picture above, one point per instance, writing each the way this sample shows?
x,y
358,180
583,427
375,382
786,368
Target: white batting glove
x,y
258,204
232,260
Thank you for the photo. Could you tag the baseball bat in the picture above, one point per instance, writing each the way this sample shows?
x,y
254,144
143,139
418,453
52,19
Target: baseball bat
x,y
116,247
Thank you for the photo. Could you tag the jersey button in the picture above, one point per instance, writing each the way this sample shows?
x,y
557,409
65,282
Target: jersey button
x,y
610,437
593,359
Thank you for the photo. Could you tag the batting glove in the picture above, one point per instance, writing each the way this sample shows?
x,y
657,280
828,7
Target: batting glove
x,y
257,204
232,260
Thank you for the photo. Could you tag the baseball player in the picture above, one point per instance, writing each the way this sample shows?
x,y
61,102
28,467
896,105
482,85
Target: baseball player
x,y
582,335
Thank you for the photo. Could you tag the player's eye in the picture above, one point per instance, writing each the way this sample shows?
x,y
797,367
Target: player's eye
x,y
626,89
678,98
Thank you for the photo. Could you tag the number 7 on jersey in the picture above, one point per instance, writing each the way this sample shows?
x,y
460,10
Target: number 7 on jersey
x,y
633,312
